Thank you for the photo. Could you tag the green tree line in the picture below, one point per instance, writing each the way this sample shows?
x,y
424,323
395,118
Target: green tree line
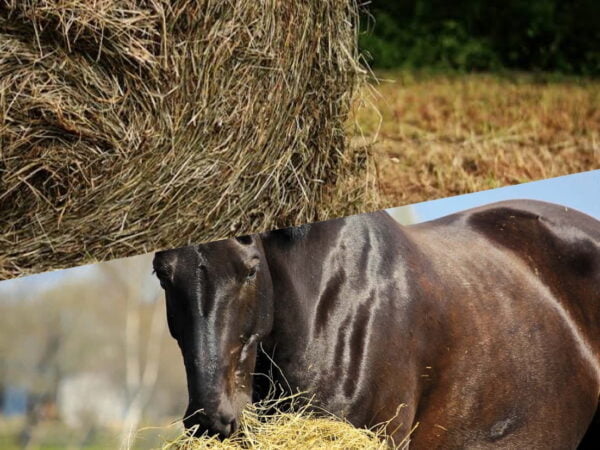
x,y
545,35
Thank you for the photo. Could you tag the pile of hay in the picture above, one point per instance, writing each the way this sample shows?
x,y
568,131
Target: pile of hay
x,y
288,428
133,125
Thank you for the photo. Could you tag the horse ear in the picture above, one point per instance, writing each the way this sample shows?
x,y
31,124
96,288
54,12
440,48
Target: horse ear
x,y
244,240
289,235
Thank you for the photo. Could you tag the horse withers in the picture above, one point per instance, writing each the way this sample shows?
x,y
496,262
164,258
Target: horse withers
x,y
477,330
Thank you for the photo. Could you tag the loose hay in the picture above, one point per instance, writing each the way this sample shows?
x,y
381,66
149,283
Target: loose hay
x,y
129,125
288,428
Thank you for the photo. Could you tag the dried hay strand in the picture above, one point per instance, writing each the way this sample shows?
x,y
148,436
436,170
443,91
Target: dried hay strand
x,y
275,424
128,126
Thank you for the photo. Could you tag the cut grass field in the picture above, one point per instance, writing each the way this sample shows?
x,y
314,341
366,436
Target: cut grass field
x,y
439,135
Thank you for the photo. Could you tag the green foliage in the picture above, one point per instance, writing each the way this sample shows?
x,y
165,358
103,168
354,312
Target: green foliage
x,y
546,35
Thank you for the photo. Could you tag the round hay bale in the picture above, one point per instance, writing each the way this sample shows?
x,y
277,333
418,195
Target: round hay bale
x,y
128,125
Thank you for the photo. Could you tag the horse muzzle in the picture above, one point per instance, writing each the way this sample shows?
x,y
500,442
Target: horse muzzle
x,y
223,423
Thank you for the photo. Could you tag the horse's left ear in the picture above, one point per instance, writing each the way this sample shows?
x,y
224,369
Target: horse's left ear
x,y
244,240
288,236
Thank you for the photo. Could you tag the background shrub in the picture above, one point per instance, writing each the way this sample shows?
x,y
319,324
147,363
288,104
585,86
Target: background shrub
x,y
546,35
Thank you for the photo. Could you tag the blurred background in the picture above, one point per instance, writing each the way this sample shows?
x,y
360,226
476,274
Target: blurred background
x,y
541,35
86,360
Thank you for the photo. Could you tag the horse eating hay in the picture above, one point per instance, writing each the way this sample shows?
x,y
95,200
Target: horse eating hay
x,y
485,324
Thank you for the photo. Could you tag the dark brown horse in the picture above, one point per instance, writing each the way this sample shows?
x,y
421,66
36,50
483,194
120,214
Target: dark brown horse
x,y
484,325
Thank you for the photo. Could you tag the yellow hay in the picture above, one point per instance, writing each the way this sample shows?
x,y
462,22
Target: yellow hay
x,y
288,427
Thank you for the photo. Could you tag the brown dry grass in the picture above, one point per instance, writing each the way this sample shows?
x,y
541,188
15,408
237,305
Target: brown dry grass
x,y
443,135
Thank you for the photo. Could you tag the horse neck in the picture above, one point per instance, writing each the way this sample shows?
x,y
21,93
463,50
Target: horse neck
x,y
302,270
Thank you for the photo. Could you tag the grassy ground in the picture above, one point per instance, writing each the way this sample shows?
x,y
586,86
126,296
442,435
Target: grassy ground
x,y
54,435
442,135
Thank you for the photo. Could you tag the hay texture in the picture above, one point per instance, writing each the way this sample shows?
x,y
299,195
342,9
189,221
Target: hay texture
x,y
286,427
128,126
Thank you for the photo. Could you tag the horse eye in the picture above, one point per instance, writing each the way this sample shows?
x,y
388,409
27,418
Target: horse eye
x,y
162,280
251,274
162,277
244,240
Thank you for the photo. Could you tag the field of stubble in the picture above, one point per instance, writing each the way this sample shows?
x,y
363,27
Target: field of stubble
x,y
440,135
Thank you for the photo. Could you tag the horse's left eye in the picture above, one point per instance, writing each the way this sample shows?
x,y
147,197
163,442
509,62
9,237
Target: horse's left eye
x,y
251,274
163,278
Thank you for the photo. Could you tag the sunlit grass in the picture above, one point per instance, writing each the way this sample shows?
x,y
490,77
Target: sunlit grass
x,y
447,134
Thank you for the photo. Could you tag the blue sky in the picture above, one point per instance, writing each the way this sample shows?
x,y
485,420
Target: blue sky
x,y
579,191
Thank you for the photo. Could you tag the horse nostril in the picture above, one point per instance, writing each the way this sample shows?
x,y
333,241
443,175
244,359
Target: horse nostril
x,y
231,426
226,425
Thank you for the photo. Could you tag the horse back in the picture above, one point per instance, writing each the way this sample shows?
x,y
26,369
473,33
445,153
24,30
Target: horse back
x,y
522,300
560,245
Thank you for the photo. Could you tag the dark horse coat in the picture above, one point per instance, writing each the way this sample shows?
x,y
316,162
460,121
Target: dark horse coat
x,y
480,329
